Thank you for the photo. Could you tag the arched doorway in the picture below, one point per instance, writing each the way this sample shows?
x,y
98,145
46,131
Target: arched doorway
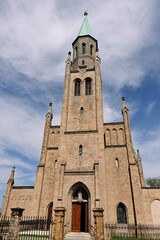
x,y
49,215
80,209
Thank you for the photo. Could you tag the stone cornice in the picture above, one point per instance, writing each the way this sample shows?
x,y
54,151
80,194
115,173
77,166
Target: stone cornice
x,y
79,172
81,132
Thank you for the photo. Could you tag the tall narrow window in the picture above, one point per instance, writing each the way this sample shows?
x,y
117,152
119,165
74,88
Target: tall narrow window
x,y
83,48
117,162
80,150
121,214
75,52
91,49
81,110
88,86
77,87
104,139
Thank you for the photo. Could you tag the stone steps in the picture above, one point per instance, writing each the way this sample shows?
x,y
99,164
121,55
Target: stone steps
x,y
78,236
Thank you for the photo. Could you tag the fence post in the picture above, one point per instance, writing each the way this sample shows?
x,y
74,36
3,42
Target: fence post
x,y
16,215
99,224
59,223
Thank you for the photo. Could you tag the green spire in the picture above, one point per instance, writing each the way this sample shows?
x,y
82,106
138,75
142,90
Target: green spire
x,y
85,28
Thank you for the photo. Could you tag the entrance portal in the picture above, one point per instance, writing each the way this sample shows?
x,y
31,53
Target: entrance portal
x,y
80,211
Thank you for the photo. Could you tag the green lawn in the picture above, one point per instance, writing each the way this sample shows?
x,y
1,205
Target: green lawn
x,y
28,235
33,235
132,238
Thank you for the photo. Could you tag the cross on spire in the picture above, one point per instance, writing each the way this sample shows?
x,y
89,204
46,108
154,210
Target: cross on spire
x,y
86,13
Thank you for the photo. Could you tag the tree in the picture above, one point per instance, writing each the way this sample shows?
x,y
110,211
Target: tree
x,y
153,182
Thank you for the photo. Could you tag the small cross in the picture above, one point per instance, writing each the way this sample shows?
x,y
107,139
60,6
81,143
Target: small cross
x,y
85,13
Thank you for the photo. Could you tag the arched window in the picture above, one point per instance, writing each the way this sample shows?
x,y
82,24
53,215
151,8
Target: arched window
x,y
121,214
81,110
117,162
108,137
91,49
80,150
77,87
88,86
114,137
83,48
75,52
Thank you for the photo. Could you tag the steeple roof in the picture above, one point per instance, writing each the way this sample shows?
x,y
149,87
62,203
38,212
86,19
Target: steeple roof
x,y
85,27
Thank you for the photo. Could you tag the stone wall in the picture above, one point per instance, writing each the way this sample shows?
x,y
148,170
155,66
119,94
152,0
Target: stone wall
x,y
114,134
21,197
118,189
54,137
151,202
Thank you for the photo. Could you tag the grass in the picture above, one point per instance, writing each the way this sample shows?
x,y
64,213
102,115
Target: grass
x,y
33,235
132,238
28,235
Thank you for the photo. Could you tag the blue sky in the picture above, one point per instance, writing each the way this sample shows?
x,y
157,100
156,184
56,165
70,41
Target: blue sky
x,y
35,37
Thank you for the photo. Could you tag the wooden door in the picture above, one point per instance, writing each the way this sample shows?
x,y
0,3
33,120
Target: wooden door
x,y
76,217
84,217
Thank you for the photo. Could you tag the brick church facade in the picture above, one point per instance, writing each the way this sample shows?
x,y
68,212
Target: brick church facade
x,y
86,164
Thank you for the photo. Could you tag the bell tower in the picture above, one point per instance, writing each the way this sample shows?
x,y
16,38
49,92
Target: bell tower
x,y
82,102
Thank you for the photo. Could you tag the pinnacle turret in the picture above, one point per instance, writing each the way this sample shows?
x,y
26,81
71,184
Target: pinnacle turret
x,y
69,57
124,105
46,134
49,112
139,162
11,178
50,108
138,156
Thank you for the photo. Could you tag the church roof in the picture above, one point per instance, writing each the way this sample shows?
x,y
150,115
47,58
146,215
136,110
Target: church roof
x,y
85,27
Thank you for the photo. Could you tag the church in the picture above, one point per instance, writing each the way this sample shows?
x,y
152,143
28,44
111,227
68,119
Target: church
x,y
87,167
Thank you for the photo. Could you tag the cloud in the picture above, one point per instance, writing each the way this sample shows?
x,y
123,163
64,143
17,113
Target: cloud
x,y
21,136
127,31
148,142
150,107
20,140
21,127
35,37
111,115
31,37
16,162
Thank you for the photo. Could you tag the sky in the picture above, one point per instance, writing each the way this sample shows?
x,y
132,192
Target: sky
x,y
35,37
